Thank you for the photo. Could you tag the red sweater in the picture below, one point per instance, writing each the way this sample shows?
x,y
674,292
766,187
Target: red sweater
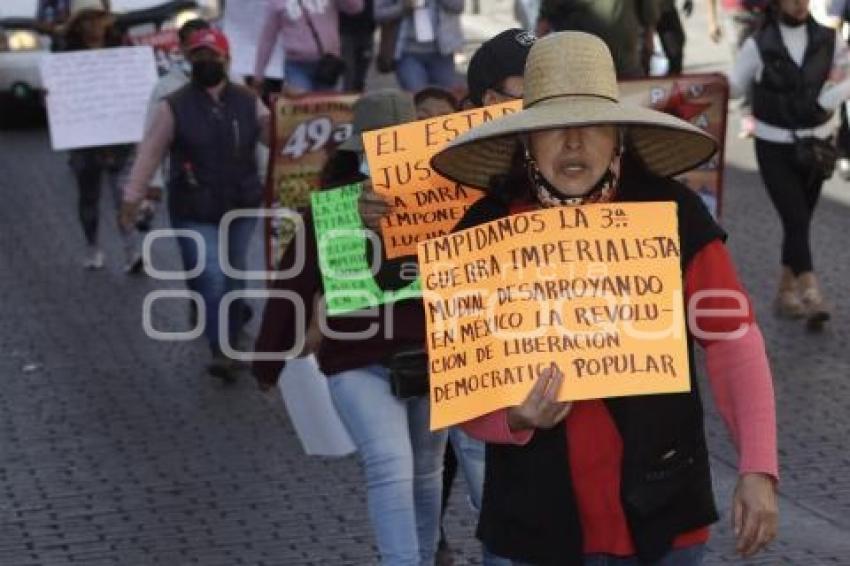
x,y
740,381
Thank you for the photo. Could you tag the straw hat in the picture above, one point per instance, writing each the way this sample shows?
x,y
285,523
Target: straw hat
x,y
569,82
78,6
376,110
79,9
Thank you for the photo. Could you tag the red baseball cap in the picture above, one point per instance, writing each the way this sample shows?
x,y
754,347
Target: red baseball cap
x,y
212,39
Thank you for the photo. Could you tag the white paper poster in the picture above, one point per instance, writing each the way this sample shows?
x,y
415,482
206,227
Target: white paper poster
x,y
98,97
308,401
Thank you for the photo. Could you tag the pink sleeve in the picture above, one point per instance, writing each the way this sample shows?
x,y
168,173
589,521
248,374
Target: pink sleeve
x,y
741,382
493,427
718,305
150,153
267,41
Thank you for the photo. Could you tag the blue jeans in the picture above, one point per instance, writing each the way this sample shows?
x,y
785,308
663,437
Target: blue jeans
x,y
402,461
688,556
415,71
299,75
212,283
470,458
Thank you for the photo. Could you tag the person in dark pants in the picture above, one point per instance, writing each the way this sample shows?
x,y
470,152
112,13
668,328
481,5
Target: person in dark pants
x,y
626,26
672,35
795,68
91,26
357,46
211,128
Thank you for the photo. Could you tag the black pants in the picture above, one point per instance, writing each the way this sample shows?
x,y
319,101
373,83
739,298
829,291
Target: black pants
x,y
672,36
356,50
794,191
92,167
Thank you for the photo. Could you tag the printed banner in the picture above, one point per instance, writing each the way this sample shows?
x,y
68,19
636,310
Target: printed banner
x,y
701,100
425,204
166,48
595,289
306,132
341,239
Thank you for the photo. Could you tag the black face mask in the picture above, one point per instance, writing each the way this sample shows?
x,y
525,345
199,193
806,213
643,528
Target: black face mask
x,y
791,22
207,73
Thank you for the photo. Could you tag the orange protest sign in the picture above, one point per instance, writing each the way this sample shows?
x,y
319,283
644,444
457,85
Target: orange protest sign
x,y
596,289
425,204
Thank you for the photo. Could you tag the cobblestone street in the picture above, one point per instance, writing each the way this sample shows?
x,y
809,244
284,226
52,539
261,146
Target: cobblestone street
x,y
119,450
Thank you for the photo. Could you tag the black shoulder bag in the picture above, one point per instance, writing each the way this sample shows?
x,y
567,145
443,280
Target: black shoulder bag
x,y
408,372
819,154
330,67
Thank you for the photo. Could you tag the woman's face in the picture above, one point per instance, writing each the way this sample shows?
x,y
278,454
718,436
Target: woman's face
x,y
94,29
573,159
795,9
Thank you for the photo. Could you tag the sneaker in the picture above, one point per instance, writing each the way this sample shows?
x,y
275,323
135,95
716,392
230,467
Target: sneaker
x,y
93,259
135,265
223,368
788,303
817,310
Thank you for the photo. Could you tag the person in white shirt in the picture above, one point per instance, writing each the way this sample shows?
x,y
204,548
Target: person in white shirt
x,y
797,69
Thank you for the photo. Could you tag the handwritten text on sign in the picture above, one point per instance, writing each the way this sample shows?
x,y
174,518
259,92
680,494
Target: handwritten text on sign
x,y
347,276
425,204
98,97
596,289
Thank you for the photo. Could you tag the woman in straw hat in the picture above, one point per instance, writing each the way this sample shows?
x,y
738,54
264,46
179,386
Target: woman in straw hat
x,y
625,480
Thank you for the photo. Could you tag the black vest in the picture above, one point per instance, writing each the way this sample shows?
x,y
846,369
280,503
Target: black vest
x,y
787,95
529,511
213,166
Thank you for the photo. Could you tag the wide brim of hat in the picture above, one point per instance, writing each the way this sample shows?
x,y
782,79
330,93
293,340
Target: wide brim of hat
x,y
353,143
667,145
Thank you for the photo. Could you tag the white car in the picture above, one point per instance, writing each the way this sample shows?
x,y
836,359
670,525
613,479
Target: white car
x,y
24,38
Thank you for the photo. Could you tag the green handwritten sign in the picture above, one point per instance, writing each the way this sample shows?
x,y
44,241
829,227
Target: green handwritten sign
x,y
341,239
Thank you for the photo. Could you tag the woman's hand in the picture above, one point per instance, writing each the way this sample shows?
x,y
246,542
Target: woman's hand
x,y
755,513
541,408
128,214
373,207
715,32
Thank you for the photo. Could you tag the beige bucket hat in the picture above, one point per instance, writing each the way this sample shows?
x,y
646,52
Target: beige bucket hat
x,y
85,8
379,109
569,82
78,6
